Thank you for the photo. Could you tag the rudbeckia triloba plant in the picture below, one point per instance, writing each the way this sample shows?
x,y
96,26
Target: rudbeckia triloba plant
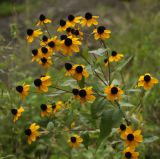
x,y
87,99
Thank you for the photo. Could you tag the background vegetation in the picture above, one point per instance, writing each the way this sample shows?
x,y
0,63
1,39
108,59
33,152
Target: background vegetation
x,y
135,29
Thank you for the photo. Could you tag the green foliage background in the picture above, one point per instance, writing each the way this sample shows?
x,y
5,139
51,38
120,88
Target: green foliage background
x,y
135,29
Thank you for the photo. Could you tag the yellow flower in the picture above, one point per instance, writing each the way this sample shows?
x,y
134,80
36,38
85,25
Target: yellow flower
x,y
129,153
147,81
132,138
31,34
46,110
113,92
86,95
35,55
17,113
115,57
89,20
43,20
123,128
72,20
45,52
56,106
78,72
101,33
44,41
70,45
53,44
106,61
45,62
75,141
63,26
23,90
32,132
43,83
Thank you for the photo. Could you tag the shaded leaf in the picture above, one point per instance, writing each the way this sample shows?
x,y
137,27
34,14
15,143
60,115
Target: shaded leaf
x,y
86,138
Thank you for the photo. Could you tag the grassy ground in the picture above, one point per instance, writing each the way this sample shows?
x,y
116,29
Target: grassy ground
x,y
135,29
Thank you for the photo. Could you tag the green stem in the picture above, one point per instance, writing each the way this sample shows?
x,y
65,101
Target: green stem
x,y
109,69
124,116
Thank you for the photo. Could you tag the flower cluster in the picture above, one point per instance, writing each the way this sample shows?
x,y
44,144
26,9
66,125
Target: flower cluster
x,y
69,39
132,139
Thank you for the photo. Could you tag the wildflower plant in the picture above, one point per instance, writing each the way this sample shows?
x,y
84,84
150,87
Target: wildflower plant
x,y
89,102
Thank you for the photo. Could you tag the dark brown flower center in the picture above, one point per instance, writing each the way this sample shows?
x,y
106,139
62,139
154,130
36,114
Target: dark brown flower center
x,y
114,53
122,127
19,89
88,16
68,66
37,82
44,38
53,106
34,52
44,60
82,93
43,107
75,91
147,78
79,69
128,155
42,17
72,31
68,30
62,22
29,32
51,44
73,139
100,29
63,37
68,42
70,17
130,137
76,32
114,90
14,111
28,132
106,60
44,50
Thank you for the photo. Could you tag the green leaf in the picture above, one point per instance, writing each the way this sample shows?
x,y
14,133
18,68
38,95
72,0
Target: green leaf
x,y
99,51
134,90
106,123
123,104
50,126
109,119
97,107
151,139
86,138
81,83
124,64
